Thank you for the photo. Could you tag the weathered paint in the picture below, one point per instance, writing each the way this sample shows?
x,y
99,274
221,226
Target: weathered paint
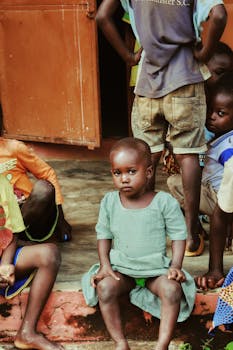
x,y
66,317
49,71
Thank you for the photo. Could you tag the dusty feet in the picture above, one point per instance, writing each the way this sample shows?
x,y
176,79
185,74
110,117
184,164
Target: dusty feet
x,y
35,341
122,345
161,346
210,280
195,247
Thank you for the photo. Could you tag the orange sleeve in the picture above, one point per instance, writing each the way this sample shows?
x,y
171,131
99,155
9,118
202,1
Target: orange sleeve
x,y
29,161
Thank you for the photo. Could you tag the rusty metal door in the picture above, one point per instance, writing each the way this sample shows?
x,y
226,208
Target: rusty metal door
x,y
49,71
227,35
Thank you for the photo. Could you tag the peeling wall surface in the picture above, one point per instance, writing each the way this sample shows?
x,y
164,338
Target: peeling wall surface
x,y
67,318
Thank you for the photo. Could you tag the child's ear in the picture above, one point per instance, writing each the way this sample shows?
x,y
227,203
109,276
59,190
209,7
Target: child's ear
x,y
150,171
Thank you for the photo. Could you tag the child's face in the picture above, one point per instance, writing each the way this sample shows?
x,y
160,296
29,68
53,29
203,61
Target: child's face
x,y
220,118
218,65
130,172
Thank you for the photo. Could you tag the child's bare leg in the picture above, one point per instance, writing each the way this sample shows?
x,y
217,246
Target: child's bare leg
x,y
155,160
228,246
40,204
169,292
45,259
109,291
191,180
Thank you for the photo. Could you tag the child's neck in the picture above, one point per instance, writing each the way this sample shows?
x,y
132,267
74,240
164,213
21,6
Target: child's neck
x,y
142,201
221,134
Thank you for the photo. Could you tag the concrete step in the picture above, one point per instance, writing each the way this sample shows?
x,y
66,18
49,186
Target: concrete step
x,y
66,318
104,345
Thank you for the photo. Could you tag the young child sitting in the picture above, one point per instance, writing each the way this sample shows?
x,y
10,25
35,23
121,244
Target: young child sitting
x,y
133,224
21,265
218,178
40,202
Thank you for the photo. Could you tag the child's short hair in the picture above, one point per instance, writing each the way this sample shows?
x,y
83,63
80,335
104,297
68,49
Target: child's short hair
x,y
136,144
224,84
223,48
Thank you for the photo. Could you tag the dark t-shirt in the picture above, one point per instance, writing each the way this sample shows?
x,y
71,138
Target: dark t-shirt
x,y
167,35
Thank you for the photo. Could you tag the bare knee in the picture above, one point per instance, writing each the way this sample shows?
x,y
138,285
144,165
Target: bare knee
x,y
49,255
43,190
171,292
106,290
188,160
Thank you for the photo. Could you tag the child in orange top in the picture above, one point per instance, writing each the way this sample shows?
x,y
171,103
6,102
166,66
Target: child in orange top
x,y
41,204
19,266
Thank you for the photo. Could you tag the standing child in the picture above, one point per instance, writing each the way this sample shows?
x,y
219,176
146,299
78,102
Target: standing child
x,y
131,231
170,83
218,178
220,63
21,265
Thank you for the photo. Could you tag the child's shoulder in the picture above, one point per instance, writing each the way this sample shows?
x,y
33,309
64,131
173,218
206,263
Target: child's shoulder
x,y
163,195
223,139
10,144
110,196
164,199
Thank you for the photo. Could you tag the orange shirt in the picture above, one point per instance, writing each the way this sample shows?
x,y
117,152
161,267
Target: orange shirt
x,y
27,162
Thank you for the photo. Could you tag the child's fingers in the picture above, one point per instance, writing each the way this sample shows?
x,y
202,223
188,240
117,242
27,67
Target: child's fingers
x,y
117,278
3,284
176,275
93,281
220,282
11,280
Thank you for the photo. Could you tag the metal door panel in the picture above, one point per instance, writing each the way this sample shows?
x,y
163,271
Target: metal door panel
x,y
49,75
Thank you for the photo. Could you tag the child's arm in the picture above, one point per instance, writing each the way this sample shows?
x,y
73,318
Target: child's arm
x,y
7,269
217,22
104,247
175,272
105,21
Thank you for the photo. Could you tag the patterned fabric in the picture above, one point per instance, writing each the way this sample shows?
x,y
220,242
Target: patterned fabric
x,y
224,310
170,164
6,235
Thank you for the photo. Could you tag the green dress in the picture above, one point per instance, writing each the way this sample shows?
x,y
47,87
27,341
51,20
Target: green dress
x,y
139,238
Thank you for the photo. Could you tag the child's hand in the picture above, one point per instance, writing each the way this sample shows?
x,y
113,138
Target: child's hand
x,y
176,274
200,53
101,274
134,58
7,275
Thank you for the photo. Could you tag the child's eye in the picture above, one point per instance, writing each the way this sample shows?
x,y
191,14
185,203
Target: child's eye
x,y
219,71
132,171
221,113
116,172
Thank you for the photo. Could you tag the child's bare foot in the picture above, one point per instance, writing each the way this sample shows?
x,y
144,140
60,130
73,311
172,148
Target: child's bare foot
x,y
122,345
228,246
35,341
161,346
195,247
